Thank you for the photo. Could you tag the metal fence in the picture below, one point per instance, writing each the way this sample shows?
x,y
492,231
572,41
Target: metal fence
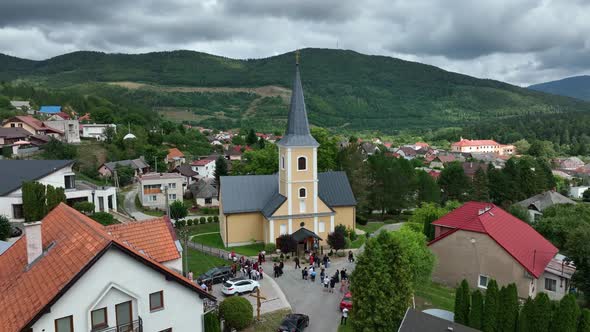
x,y
210,250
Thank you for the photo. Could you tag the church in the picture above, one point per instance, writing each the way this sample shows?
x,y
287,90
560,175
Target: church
x,y
297,200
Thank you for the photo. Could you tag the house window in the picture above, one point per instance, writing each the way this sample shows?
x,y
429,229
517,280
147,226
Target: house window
x,y
322,226
302,193
70,181
283,229
171,185
17,211
301,206
208,200
483,281
20,125
172,197
282,162
152,198
550,284
65,324
12,125
156,300
99,318
301,164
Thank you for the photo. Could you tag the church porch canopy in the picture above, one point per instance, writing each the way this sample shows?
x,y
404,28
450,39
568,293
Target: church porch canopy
x,y
303,234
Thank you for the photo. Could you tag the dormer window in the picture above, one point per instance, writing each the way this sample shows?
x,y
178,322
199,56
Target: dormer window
x,y
301,164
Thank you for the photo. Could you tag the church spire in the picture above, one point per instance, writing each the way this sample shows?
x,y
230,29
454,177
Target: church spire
x,y
297,133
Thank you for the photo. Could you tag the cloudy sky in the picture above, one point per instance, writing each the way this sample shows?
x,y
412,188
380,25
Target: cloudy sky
x,y
518,41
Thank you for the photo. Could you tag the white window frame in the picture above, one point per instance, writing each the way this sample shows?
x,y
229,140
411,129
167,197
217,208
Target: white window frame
x,y
550,290
172,185
321,227
302,206
479,281
282,229
152,198
172,197
299,192
305,169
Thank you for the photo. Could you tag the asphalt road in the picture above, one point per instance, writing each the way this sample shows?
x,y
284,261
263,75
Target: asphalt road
x,y
130,205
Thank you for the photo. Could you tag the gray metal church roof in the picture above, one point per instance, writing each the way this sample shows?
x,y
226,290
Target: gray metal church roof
x,y
14,172
259,193
297,133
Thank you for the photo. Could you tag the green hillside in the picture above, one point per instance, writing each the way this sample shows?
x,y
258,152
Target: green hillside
x,y
345,90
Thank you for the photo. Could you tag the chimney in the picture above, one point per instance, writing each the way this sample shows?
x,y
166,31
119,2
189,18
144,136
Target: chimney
x,y
34,241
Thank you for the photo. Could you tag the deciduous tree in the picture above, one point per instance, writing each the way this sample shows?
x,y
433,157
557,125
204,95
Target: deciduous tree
x,y
428,189
4,228
337,240
178,210
420,257
584,324
287,243
454,182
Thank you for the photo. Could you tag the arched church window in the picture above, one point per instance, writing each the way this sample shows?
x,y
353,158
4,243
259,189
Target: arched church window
x,y
302,193
301,164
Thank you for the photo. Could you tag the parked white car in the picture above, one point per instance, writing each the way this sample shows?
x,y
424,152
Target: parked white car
x,y
238,286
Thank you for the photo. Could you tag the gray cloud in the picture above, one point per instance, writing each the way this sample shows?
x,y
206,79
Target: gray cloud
x,y
519,41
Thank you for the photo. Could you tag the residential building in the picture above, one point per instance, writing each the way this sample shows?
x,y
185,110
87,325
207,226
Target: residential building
x,y
59,116
96,131
58,173
298,200
204,167
569,164
417,321
561,174
153,188
174,158
69,128
369,148
482,146
578,192
138,165
21,105
536,204
190,176
479,242
69,273
10,135
47,110
204,192
32,125
470,168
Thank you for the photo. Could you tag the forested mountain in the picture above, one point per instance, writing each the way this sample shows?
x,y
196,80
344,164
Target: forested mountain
x,y
576,87
345,90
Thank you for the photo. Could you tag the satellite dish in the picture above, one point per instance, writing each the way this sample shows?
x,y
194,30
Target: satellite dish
x,y
129,136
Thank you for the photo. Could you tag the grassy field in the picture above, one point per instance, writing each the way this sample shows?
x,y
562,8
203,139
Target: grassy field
x,y
371,226
435,296
203,228
199,262
215,241
268,322
360,240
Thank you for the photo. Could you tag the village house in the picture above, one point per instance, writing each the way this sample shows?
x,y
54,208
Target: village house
x,y
69,128
69,273
59,116
9,136
418,321
174,158
204,192
479,242
49,110
470,168
538,203
96,131
568,164
32,125
190,176
578,192
482,146
298,200
21,105
153,188
58,173
138,165
205,167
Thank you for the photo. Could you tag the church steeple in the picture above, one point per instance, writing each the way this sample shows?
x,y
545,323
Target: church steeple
x,y
297,133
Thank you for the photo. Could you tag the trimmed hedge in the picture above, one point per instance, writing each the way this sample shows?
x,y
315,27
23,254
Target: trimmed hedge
x,y
209,219
216,219
237,312
361,220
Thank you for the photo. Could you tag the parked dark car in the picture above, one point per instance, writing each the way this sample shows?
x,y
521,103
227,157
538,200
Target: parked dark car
x,y
216,274
294,323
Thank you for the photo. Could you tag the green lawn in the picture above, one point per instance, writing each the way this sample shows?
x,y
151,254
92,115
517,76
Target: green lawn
x,y
371,226
215,241
345,328
199,262
435,296
203,228
268,322
360,240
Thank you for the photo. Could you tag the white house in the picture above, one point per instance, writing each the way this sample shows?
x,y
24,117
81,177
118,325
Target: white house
x,y
577,192
205,167
70,129
96,131
57,173
153,188
76,276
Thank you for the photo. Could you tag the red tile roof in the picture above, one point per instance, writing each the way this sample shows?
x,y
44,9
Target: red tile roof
x,y
422,144
72,242
63,115
475,142
520,240
34,123
174,153
153,237
202,162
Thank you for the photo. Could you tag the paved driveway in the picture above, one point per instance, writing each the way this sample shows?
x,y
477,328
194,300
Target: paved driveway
x,y
130,205
309,298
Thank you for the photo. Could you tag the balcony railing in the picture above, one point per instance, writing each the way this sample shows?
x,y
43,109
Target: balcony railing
x,y
134,326
148,191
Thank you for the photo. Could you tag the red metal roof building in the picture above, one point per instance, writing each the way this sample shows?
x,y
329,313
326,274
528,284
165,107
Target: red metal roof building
x,y
482,146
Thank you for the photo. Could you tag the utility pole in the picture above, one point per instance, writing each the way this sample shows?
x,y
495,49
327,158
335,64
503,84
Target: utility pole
x,y
167,204
156,162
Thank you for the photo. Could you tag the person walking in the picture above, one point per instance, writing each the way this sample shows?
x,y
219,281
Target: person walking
x,y
312,274
344,316
276,270
325,261
311,259
281,266
350,257
326,283
343,274
343,286
337,276
297,266
303,273
332,284
322,274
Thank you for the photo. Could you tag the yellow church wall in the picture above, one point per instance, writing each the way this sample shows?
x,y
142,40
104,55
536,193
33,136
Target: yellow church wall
x,y
345,216
322,207
283,210
297,175
242,228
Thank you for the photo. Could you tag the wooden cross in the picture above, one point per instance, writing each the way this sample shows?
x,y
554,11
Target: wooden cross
x,y
258,303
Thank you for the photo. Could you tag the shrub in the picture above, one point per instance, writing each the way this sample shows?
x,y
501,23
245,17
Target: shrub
x,y
211,322
216,219
84,207
237,312
351,234
4,228
104,218
202,220
205,210
270,248
361,220
347,244
337,240
180,223
209,219
189,222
